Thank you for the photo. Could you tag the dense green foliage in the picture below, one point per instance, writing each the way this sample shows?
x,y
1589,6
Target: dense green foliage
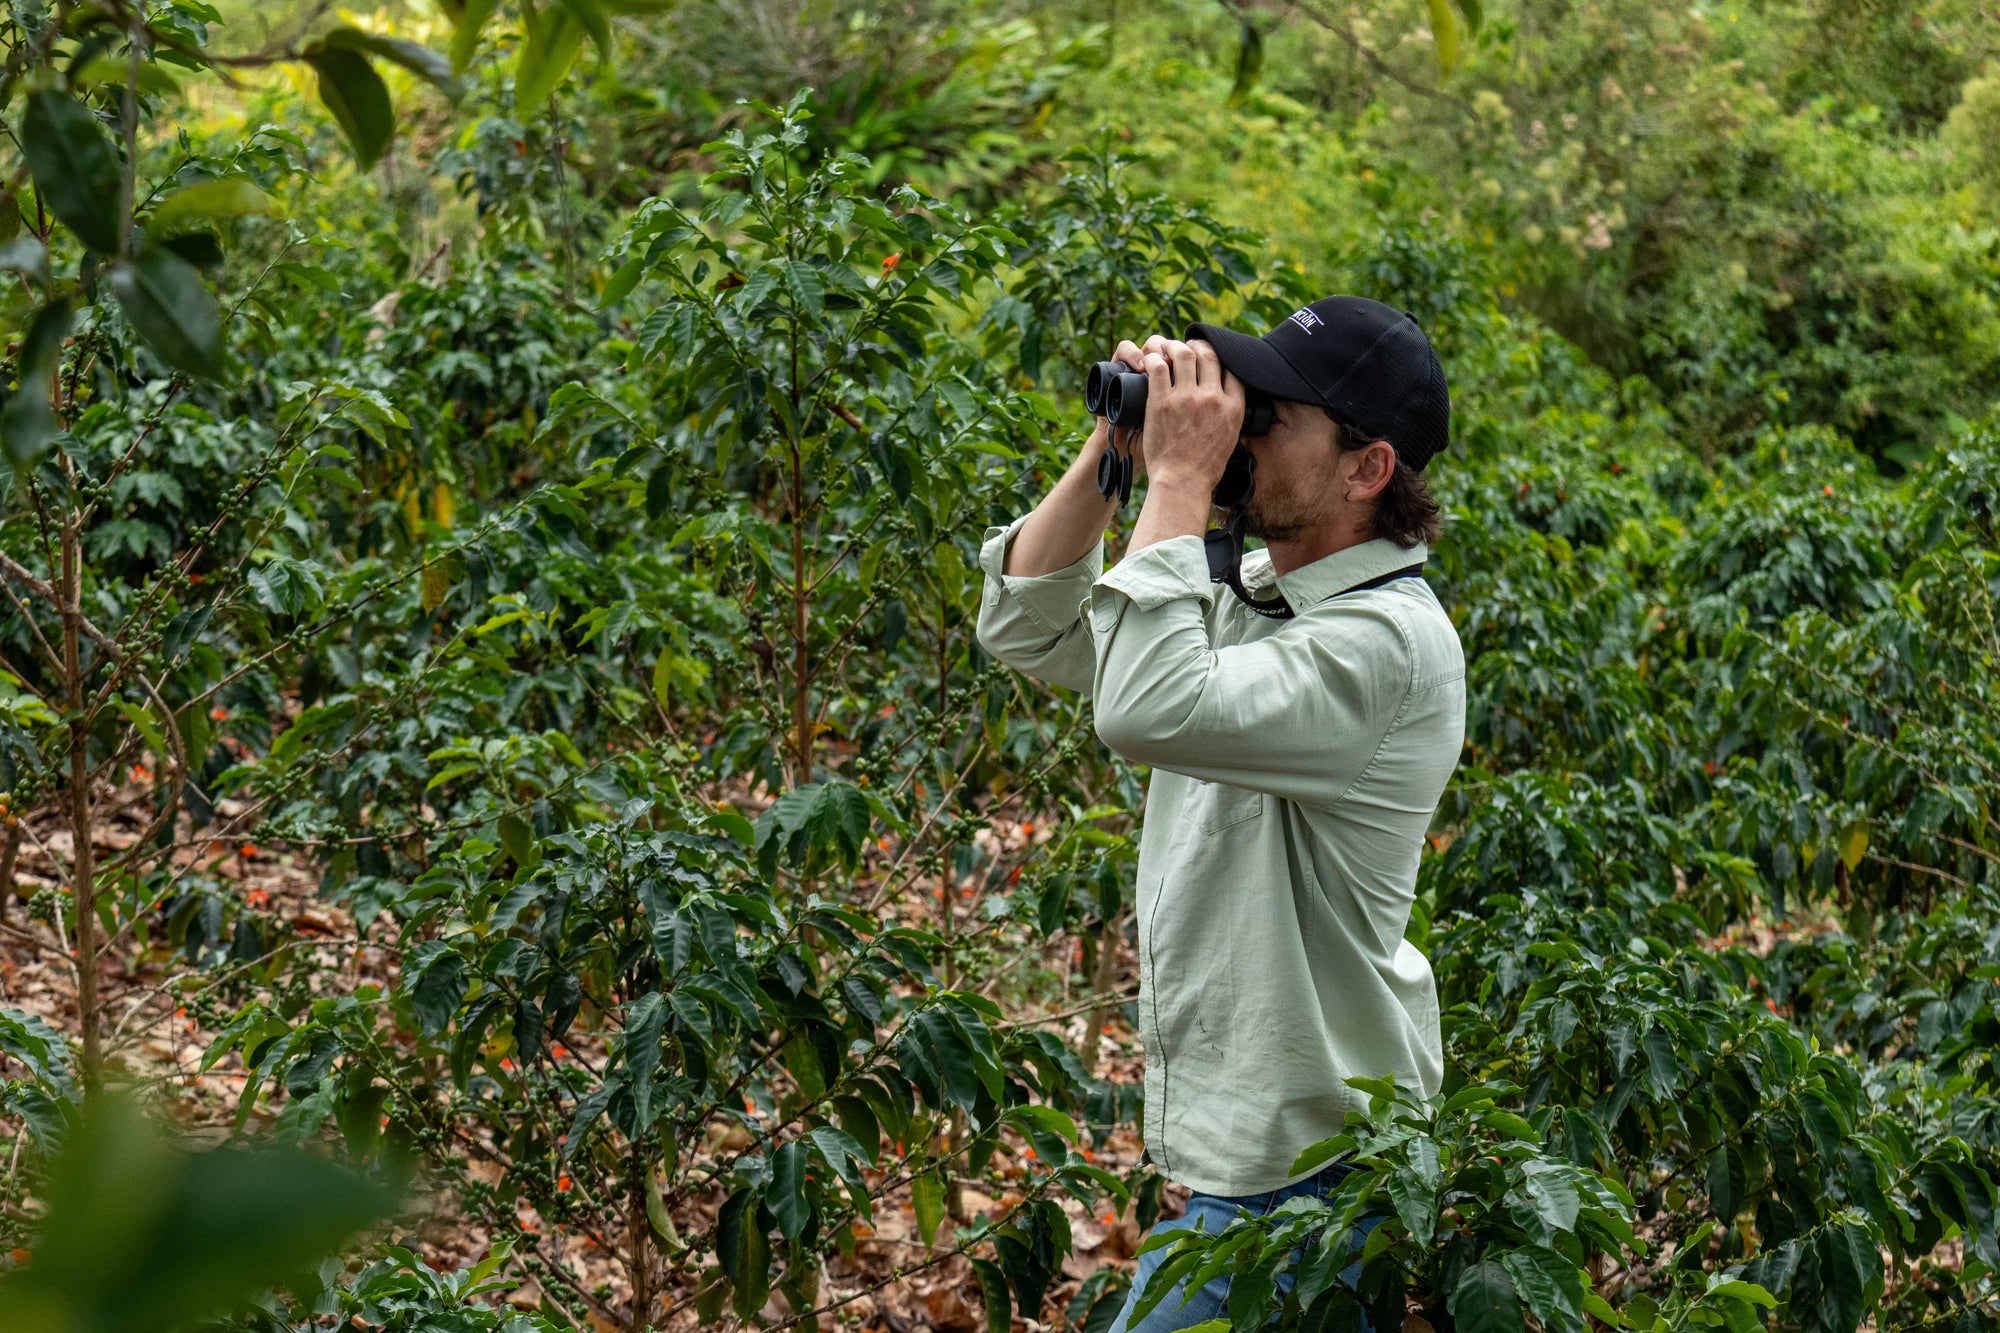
x,y
560,538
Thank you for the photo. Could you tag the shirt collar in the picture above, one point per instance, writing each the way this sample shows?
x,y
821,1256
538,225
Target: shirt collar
x,y
1312,583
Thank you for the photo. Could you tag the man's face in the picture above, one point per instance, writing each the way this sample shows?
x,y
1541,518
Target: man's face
x,y
1296,474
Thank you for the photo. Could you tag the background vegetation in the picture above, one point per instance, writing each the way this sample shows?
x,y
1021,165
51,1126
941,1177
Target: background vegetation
x,y
495,759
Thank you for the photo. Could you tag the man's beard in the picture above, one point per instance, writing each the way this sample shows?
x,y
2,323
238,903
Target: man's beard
x,y
1267,527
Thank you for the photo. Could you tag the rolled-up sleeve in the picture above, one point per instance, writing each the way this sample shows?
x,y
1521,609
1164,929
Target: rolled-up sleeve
x,y
1298,714
1035,623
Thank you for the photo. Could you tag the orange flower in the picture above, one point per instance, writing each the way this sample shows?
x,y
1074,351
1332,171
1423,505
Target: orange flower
x,y
140,773
893,260
257,897
219,713
860,1230
194,578
559,1051
247,850
1109,1219
1827,490
505,1063
562,1184
1014,875
1088,1155
1028,1153
18,1256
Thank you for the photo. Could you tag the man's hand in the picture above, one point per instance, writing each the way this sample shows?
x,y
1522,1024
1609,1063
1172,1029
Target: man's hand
x,y
1194,413
1194,416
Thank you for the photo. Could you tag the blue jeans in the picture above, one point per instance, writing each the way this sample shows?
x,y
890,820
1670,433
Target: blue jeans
x,y
1216,1212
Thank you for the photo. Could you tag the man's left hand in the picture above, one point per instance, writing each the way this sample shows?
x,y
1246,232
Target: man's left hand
x,y
1194,415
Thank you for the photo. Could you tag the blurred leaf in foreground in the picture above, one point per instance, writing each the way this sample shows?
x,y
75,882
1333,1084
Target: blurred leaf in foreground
x,y
141,1238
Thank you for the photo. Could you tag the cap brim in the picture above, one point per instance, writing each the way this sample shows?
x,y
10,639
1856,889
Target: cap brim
x,y
1255,362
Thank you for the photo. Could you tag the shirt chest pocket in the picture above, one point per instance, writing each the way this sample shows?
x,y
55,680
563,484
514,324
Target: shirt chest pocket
x,y
1216,806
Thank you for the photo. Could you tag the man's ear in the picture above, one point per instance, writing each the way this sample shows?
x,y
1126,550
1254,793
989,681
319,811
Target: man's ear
x,y
1374,465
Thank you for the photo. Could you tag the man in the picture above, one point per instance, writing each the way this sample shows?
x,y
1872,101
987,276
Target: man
x,y
1297,759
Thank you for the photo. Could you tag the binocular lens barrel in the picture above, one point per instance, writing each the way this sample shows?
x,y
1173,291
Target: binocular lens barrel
x,y
1125,400
1117,392
1098,381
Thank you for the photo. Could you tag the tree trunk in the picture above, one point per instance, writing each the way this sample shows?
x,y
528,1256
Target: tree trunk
x,y
1100,981
82,862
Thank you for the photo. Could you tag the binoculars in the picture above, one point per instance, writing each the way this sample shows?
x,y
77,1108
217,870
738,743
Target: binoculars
x,y
1117,392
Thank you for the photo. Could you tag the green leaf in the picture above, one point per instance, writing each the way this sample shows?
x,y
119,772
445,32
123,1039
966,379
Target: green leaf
x,y
1850,1274
1473,14
27,256
415,57
1853,845
927,1197
1415,1204
230,197
1551,1285
745,1252
1249,61
590,15
1044,1117
28,421
518,837
1484,1301
435,980
75,167
801,1060
358,99
1555,1199
808,292
553,39
1737,1289
138,1237
993,1290
465,38
117,71
839,819
1317,1156
1445,28
787,1195
172,309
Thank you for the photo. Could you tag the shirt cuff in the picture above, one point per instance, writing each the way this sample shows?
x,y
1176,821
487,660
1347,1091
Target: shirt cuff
x,y
1051,600
1154,576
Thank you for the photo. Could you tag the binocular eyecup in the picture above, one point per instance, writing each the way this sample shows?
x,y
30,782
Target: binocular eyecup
x,y
1116,392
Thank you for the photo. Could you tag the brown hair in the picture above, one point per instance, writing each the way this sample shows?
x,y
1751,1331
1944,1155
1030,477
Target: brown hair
x,y
1405,512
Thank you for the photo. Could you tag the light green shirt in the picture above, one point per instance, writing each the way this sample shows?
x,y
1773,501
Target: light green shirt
x,y
1296,766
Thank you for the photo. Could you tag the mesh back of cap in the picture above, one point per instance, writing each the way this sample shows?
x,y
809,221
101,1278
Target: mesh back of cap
x,y
1397,389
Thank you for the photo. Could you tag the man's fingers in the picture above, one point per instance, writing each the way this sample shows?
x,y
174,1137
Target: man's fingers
x,y
1161,374
1208,366
1129,353
1181,356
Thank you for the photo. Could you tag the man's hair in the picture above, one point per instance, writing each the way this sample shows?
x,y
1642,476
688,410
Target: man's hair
x,y
1405,513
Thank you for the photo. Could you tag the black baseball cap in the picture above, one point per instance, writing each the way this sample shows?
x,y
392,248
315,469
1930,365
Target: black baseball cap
x,y
1367,363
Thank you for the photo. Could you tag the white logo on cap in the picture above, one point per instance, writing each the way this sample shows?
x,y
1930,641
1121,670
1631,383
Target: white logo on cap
x,y
1305,319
